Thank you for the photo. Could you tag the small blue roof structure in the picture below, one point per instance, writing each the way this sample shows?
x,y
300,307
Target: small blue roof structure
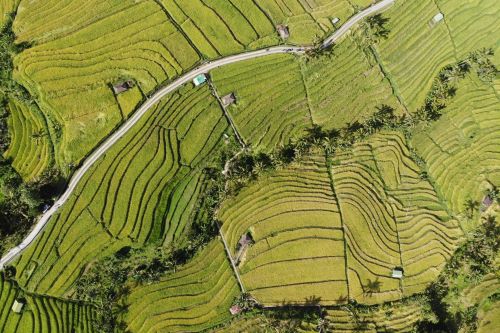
x,y
199,80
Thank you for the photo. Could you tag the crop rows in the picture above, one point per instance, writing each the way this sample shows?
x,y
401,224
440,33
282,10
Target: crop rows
x,y
30,145
298,254
392,217
473,24
347,87
194,298
143,190
308,20
7,7
271,102
397,317
387,216
42,314
415,52
72,70
462,149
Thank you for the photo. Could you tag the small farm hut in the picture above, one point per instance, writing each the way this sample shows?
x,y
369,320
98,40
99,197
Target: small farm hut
x,y
335,20
199,80
437,18
397,273
283,31
17,307
245,240
486,203
235,309
122,86
228,99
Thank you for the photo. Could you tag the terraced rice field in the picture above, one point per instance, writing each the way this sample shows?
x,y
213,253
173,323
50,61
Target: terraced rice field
x,y
473,25
195,298
298,254
70,70
219,27
398,317
308,20
415,52
347,87
462,148
150,42
6,7
271,105
380,215
392,218
30,147
144,190
42,314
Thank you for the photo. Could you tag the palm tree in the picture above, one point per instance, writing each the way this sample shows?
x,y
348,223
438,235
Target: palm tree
x,y
470,207
373,287
323,325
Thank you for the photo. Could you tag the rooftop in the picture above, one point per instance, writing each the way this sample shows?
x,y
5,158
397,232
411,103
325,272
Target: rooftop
x,y
228,99
397,273
235,309
199,80
123,86
438,17
17,306
283,31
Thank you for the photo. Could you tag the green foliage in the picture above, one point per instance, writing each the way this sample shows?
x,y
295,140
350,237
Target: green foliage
x,y
107,281
472,261
444,86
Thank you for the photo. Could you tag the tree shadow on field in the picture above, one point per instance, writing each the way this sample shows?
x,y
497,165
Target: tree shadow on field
x,y
372,287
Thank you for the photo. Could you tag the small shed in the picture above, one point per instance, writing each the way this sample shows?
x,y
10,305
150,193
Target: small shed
x,y
228,99
17,307
486,203
235,309
437,18
283,31
397,273
123,86
245,240
335,20
199,80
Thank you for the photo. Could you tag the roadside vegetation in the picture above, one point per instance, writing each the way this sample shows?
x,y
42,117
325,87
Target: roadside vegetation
x,y
20,200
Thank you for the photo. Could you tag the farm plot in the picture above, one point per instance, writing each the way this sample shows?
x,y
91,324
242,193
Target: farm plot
x,y
7,7
462,149
42,314
271,105
195,298
298,255
473,24
392,218
346,87
144,190
396,317
219,27
30,146
308,20
70,70
415,51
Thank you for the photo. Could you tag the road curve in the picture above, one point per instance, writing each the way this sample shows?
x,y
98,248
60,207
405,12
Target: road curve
x,y
205,68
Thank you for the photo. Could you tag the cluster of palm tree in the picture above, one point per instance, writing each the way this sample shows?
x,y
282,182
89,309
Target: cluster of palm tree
x,y
248,166
444,86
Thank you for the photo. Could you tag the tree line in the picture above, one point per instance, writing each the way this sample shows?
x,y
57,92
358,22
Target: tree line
x,y
20,202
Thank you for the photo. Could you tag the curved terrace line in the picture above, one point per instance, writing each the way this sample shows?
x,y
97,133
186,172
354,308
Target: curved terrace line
x,y
149,103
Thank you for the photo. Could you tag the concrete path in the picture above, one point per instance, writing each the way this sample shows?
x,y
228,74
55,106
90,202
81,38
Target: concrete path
x,y
149,103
